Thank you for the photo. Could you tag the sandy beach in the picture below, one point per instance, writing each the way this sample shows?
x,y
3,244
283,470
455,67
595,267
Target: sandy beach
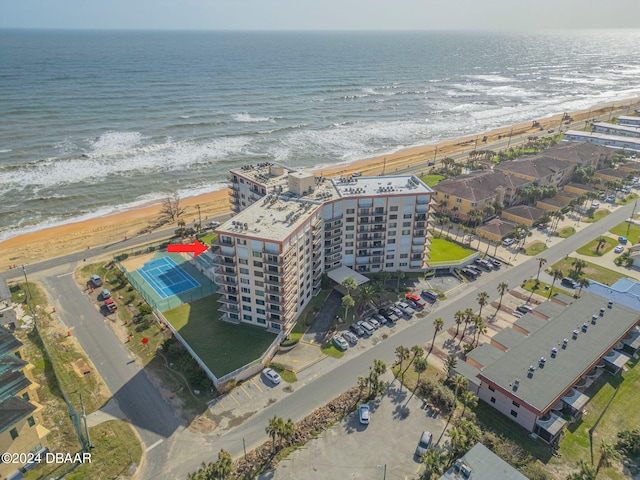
x,y
64,239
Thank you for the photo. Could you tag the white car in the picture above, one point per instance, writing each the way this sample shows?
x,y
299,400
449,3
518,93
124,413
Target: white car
x,y
364,414
366,326
271,375
373,322
508,242
213,224
340,343
618,249
595,205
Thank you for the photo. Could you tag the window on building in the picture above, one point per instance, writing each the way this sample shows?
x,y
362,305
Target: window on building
x,y
390,257
261,321
474,204
258,283
245,281
241,241
407,215
392,233
458,200
258,274
391,241
14,433
350,219
393,209
349,236
393,225
31,421
248,318
446,195
406,232
246,308
257,253
246,290
257,264
243,261
402,264
406,224
259,302
259,293
491,389
388,265
233,316
393,217
514,414
246,299
404,255
26,396
260,311
493,399
244,271
348,252
348,244
516,404
351,211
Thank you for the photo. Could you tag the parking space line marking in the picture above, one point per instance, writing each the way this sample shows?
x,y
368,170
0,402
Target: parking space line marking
x,y
257,386
234,398
245,391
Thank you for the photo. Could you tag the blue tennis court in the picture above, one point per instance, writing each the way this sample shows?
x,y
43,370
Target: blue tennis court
x,y
166,277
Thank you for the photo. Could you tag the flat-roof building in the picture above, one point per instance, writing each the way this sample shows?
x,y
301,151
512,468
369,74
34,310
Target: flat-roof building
x,y
619,130
628,120
611,141
480,463
270,257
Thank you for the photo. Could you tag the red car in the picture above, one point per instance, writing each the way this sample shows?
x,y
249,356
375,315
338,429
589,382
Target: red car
x,y
416,300
111,305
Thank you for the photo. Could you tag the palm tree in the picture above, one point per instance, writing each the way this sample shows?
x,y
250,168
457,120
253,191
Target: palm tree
x,y
481,329
420,366
468,318
468,399
349,284
273,430
483,299
586,472
223,467
541,262
578,265
608,453
288,431
458,317
380,293
399,275
402,354
438,323
365,295
601,241
450,364
503,287
433,462
347,303
584,283
557,275
458,441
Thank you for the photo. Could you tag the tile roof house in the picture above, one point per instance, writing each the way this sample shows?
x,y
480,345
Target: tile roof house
x,y
523,214
612,174
581,153
496,229
542,169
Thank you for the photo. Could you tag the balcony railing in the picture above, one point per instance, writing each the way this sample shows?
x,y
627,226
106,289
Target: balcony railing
x,y
224,280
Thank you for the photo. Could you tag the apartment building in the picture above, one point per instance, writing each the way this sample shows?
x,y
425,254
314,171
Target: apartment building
x,y
270,257
252,182
611,141
21,429
619,130
628,120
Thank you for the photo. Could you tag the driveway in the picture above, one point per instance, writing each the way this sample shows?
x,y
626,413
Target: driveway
x,y
356,451
326,316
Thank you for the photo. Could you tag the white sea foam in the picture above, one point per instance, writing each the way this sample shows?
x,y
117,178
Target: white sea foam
x,y
6,150
116,141
247,118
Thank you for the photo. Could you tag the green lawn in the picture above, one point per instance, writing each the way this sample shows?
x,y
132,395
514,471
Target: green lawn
x,y
622,229
443,250
603,212
543,288
535,248
330,350
431,180
628,199
222,346
566,232
591,271
619,416
208,239
590,248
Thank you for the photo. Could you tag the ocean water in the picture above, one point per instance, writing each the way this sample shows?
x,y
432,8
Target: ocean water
x,y
94,121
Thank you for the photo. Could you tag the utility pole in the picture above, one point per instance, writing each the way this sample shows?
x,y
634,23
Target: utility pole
x,y
86,427
199,218
434,155
631,219
510,133
384,165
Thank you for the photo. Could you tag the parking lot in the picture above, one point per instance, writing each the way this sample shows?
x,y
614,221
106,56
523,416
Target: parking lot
x,y
355,451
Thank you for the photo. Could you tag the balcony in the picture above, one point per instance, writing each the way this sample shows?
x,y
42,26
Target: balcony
x,y
270,281
228,300
272,260
222,243
224,261
225,280
228,308
276,301
234,193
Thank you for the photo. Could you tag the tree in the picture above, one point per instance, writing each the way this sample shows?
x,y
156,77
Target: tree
x,y
223,467
438,324
503,287
364,295
399,275
585,472
288,431
349,284
483,299
347,303
420,366
402,354
450,364
468,399
541,262
481,329
557,274
468,318
601,241
458,317
273,429
375,384
584,283
608,454
171,207
434,464
578,265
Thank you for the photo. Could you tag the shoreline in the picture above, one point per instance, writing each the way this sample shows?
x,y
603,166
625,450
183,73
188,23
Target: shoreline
x,y
74,236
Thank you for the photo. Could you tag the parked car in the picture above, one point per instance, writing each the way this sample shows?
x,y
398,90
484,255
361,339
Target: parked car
x,y
404,308
495,262
213,224
339,342
373,321
416,300
424,443
95,281
356,174
618,249
524,309
111,305
595,205
396,310
475,269
508,242
470,274
357,329
105,294
390,316
626,190
430,295
568,282
350,337
367,327
611,198
622,240
380,318
271,375
364,414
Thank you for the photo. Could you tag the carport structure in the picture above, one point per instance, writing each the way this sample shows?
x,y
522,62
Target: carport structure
x,y
339,274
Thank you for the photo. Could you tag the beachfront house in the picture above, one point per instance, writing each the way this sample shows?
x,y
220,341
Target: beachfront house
x,y
539,169
618,130
611,141
539,374
627,120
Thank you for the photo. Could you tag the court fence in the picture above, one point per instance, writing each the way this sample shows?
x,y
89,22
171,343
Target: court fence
x,y
141,250
238,374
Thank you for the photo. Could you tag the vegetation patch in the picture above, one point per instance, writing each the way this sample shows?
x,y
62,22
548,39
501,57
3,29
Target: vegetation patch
x,y
534,248
443,250
597,215
590,271
632,232
287,375
597,247
208,238
628,199
543,288
330,350
566,232
431,180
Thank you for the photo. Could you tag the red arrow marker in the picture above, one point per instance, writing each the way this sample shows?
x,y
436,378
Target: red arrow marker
x,y
196,248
